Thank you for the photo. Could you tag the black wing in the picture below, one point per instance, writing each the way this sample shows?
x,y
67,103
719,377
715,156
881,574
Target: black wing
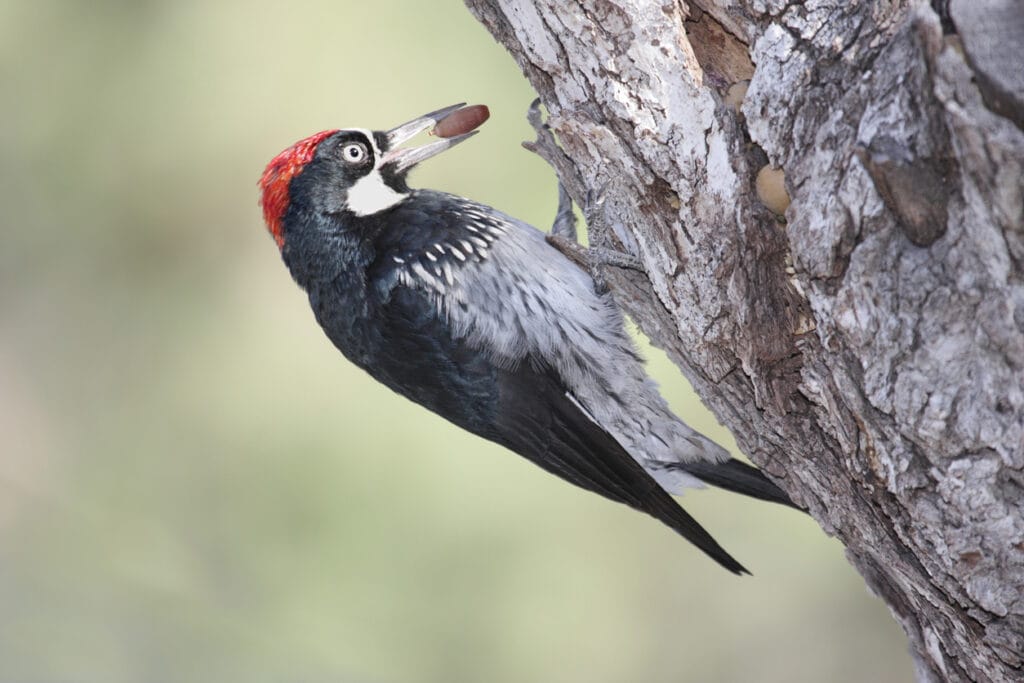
x,y
538,420
525,408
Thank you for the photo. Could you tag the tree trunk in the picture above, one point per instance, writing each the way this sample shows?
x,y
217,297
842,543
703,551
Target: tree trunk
x,y
865,344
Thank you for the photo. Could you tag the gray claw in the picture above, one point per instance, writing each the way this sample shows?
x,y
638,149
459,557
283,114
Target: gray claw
x,y
563,231
565,219
533,116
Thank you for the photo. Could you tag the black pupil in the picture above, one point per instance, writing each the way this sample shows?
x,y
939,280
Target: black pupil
x,y
354,152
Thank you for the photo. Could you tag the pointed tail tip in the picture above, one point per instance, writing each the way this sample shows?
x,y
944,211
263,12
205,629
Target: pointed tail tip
x,y
733,566
738,477
686,526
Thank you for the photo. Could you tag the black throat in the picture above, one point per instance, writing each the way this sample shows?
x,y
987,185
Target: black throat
x,y
319,248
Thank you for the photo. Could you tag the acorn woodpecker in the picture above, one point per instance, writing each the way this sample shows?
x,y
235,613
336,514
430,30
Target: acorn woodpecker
x,y
474,315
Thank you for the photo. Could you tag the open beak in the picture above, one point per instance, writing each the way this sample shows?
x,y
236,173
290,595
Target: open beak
x,y
404,159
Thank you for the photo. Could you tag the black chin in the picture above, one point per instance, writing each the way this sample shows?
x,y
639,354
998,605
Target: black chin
x,y
394,180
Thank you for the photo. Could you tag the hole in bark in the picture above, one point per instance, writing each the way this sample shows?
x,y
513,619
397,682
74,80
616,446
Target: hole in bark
x,y
971,559
724,58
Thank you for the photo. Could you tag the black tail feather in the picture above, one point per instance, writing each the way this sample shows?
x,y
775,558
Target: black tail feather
x,y
686,526
537,418
738,477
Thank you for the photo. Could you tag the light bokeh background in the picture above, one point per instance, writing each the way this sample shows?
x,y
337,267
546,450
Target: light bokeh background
x,y
195,486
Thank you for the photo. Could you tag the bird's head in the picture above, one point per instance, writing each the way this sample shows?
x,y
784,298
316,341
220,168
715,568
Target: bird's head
x,y
346,173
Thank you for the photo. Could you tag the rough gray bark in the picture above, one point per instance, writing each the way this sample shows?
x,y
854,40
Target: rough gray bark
x,y
867,349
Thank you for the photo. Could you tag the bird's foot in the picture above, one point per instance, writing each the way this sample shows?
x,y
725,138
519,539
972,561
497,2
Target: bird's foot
x,y
591,259
594,259
563,231
565,218
546,147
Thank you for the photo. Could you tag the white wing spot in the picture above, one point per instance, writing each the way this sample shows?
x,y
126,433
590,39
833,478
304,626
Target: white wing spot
x,y
418,268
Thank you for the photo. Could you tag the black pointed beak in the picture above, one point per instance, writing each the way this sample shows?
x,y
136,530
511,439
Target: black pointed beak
x,y
400,160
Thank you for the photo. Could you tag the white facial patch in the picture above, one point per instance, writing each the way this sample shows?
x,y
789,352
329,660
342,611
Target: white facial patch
x,y
370,195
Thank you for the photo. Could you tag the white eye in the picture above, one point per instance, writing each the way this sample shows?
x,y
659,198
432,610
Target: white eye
x,y
354,152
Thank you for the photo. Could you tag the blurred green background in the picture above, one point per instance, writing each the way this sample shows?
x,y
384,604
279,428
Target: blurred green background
x,y
195,486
